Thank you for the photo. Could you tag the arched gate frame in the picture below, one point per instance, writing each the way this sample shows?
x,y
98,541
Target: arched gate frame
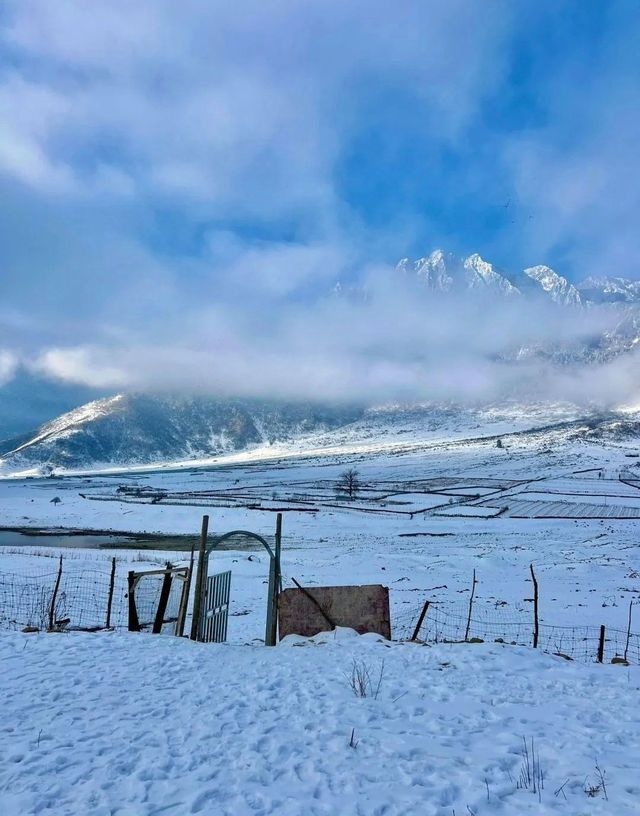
x,y
275,577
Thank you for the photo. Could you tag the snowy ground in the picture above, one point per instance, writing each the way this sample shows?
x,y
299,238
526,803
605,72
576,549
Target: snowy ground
x,y
132,725
423,522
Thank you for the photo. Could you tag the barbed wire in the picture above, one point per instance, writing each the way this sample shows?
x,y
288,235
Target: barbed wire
x,y
450,623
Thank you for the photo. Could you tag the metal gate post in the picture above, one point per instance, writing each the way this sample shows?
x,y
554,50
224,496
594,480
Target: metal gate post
x,y
278,547
275,579
201,578
270,632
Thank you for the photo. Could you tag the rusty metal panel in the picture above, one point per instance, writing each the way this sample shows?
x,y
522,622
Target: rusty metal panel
x,y
363,608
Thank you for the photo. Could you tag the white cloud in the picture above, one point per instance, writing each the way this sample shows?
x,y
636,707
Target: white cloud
x,y
397,343
8,366
173,204
88,366
246,111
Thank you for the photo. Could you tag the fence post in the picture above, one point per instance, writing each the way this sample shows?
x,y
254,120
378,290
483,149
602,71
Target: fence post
x,y
536,624
134,623
278,550
275,583
626,645
200,580
52,607
473,592
601,646
270,629
165,591
423,615
110,598
187,588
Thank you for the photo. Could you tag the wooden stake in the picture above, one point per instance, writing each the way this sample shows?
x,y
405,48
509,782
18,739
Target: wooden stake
x,y
278,549
473,592
275,586
626,646
601,646
187,589
200,579
536,622
112,581
165,591
134,623
423,615
52,607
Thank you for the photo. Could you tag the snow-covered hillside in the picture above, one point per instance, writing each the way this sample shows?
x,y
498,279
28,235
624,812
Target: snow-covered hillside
x,y
145,429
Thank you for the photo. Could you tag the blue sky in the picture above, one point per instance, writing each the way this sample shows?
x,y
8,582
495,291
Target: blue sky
x,y
187,175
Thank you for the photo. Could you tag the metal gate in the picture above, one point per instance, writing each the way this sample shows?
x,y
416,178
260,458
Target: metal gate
x,y
215,611
205,609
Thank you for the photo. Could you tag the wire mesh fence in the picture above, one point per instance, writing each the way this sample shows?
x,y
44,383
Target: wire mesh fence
x,y
75,597
453,623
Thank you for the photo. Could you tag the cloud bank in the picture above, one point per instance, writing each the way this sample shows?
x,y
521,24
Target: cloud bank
x,y
182,186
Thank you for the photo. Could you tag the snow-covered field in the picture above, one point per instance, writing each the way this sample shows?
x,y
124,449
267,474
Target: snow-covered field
x,y
140,725
425,518
132,724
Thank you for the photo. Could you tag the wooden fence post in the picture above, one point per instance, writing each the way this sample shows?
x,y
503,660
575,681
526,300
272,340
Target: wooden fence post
x,y
200,580
134,623
626,645
423,615
536,623
54,597
110,598
601,646
278,550
165,591
270,628
187,588
473,592
275,585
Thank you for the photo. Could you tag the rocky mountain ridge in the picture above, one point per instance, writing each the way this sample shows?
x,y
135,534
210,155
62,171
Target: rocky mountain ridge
x,y
446,272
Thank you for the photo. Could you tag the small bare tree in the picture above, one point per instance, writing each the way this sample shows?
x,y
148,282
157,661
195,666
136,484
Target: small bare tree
x,y
349,483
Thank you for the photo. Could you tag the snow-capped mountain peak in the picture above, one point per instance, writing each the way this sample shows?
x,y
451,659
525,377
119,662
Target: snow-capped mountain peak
x,y
482,274
558,288
445,272
438,271
610,290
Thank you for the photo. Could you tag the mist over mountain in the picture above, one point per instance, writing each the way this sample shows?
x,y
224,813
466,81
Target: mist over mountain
x,y
438,329
593,321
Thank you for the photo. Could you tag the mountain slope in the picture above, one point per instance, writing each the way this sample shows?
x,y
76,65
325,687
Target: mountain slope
x,y
143,429
555,286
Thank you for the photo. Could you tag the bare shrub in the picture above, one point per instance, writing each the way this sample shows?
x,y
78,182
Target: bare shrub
x,y
531,774
361,681
593,789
